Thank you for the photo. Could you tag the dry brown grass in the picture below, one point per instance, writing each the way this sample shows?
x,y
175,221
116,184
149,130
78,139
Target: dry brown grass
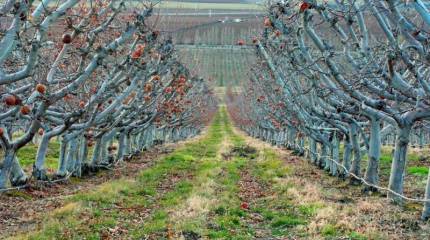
x,y
197,205
340,206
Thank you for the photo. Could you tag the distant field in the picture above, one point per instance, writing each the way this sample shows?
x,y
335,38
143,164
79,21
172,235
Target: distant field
x,y
208,5
223,66
207,30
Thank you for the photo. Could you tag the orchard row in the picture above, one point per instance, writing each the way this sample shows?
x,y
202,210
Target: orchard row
x,y
338,80
94,76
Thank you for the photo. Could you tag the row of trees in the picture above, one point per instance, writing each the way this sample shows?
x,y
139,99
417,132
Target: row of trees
x,y
94,76
342,73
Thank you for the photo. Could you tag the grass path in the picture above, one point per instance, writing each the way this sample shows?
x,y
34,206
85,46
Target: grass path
x,y
225,185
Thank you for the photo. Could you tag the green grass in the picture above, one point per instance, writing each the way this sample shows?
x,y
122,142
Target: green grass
x,y
227,219
357,236
280,214
91,214
27,155
271,168
197,190
420,171
200,173
309,209
224,218
329,230
227,216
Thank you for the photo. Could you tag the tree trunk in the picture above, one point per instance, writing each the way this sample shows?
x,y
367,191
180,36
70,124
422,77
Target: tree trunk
x,y
301,146
96,153
355,168
335,154
127,145
104,154
374,153
78,156
325,149
150,138
313,150
9,158
121,146
398,165
292,139
62,167
39,171
327,154
421,138
18,176
426,211
141,140
71,155
346,161
83,151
